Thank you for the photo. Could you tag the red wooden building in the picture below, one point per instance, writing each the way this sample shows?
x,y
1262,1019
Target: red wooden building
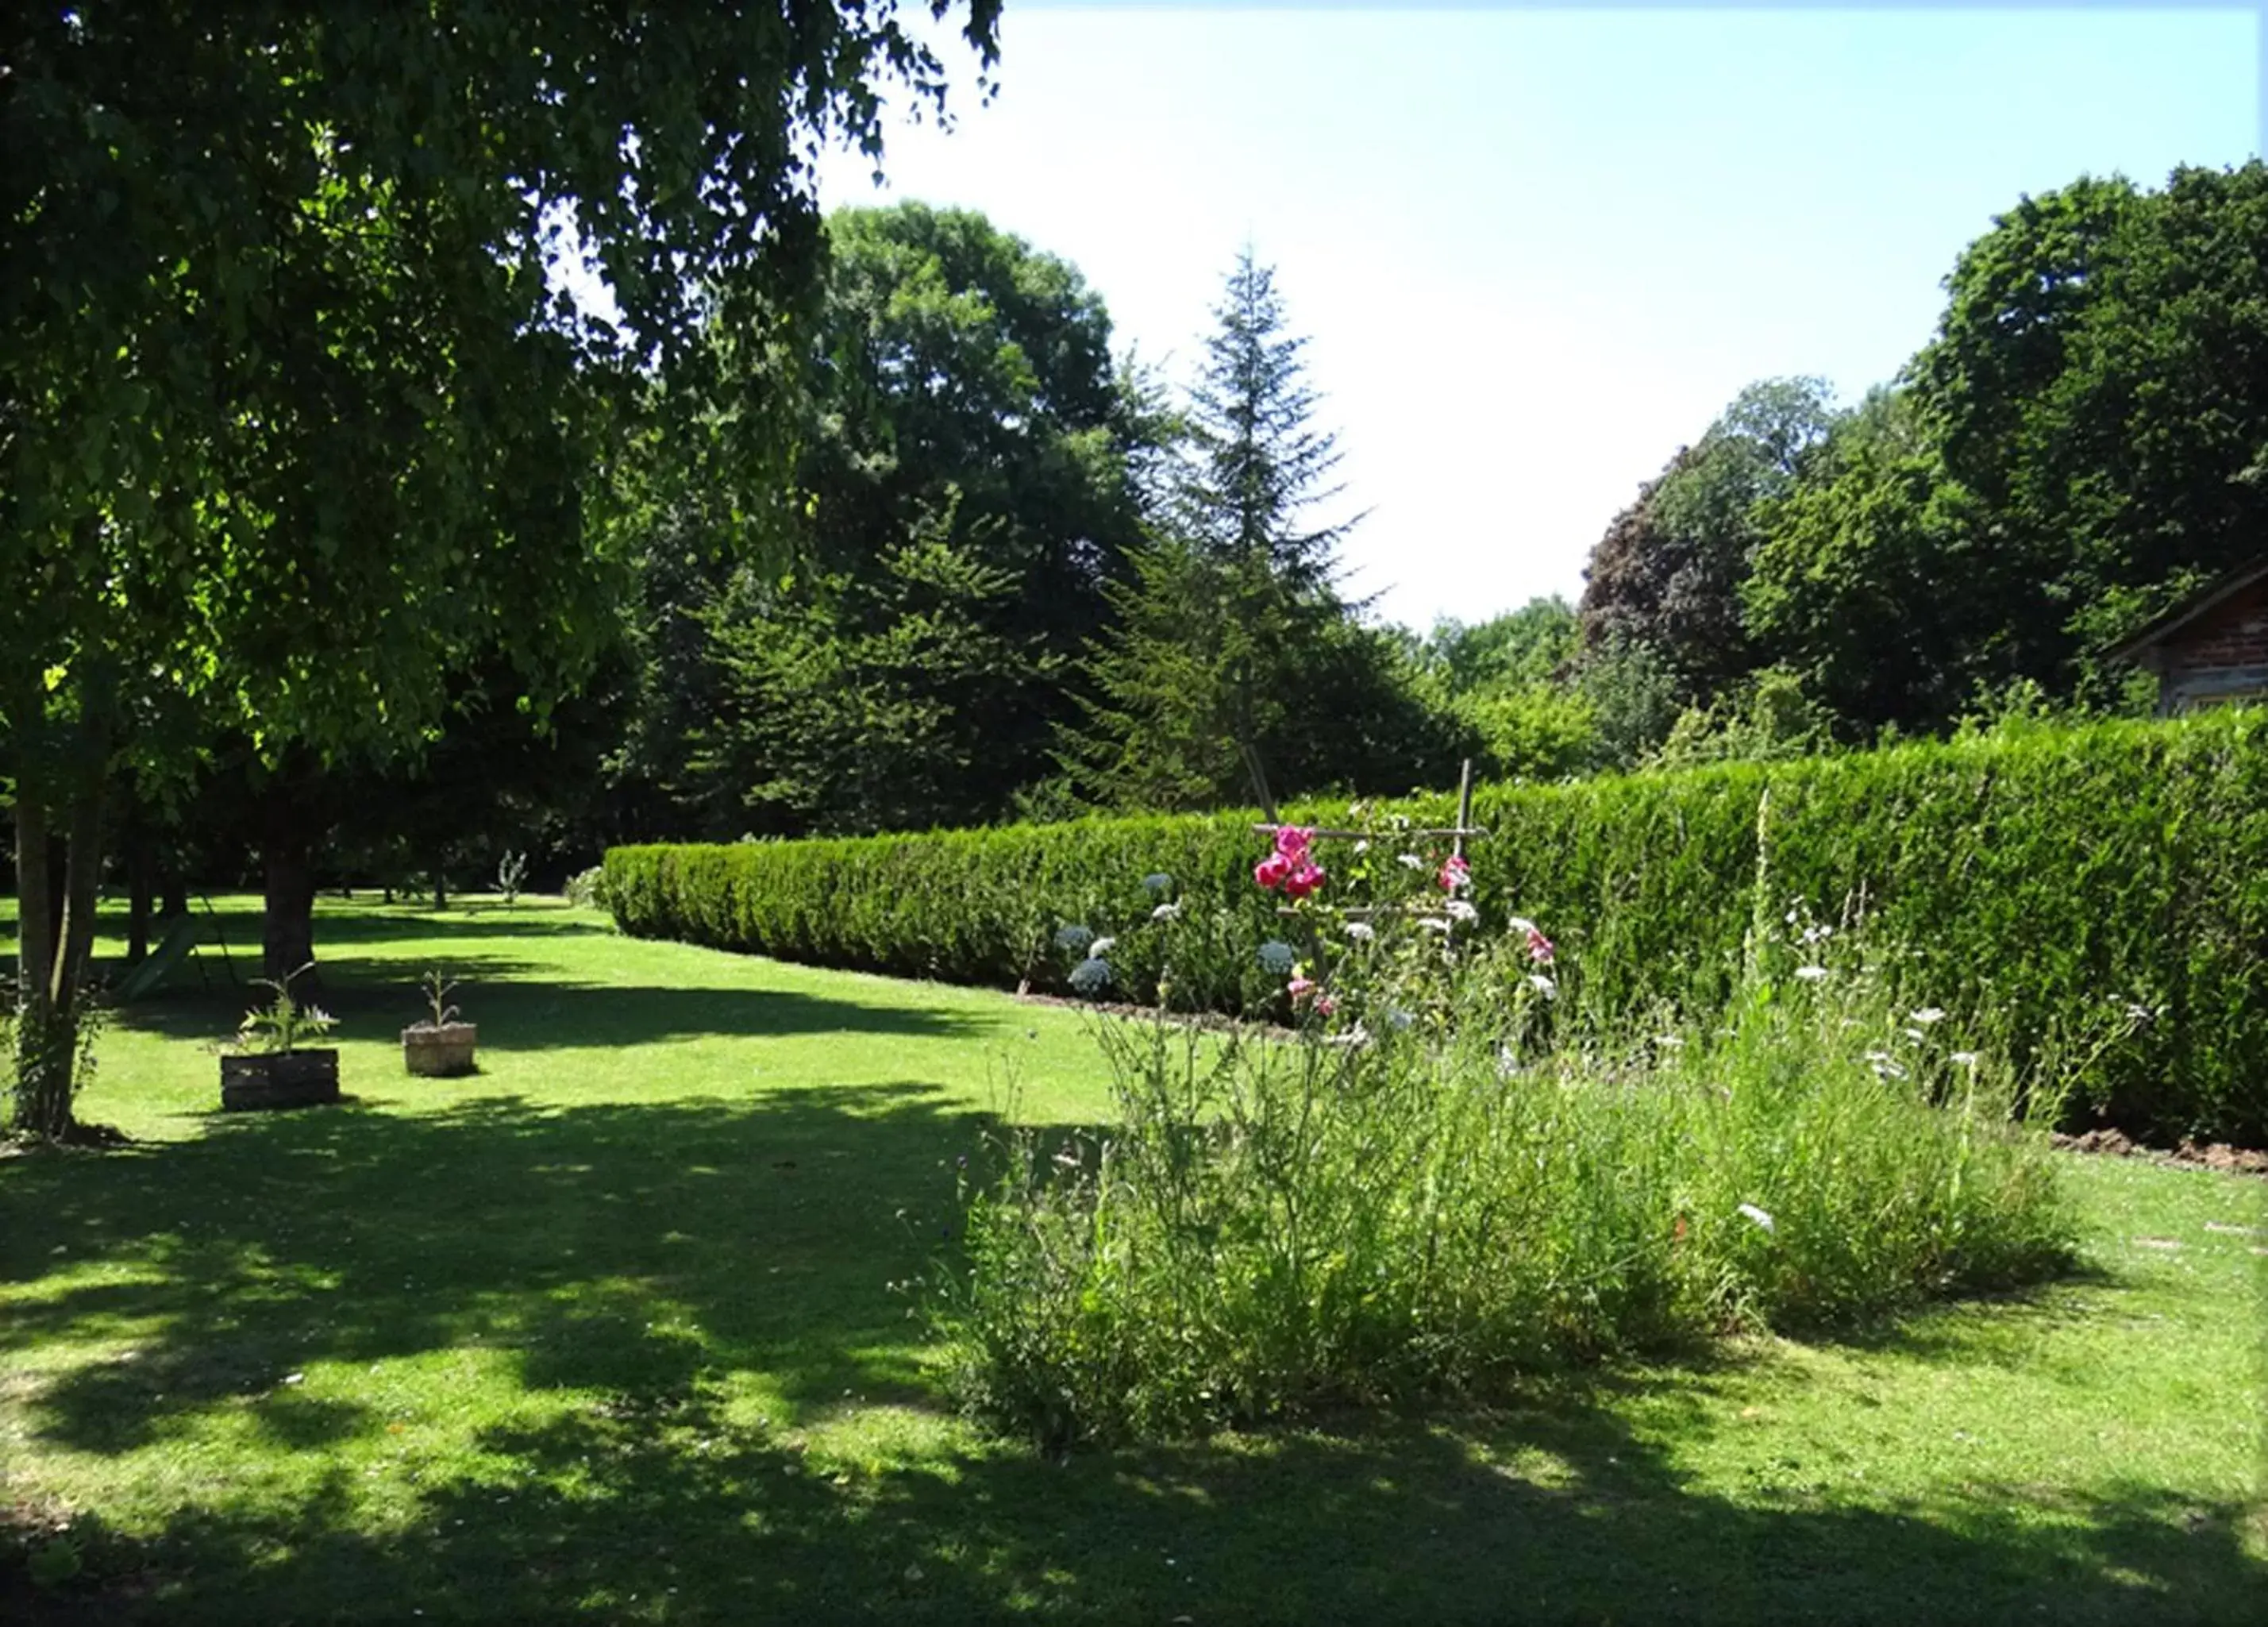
x,y
2212,648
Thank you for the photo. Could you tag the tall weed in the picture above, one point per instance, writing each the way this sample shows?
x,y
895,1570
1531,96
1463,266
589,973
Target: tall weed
x,y
1275,1224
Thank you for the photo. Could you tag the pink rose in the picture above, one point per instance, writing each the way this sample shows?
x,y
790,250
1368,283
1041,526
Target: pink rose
x,y
1293,840
1539,948
1325,1004
1455,874
1299,988
1272,871
1304,880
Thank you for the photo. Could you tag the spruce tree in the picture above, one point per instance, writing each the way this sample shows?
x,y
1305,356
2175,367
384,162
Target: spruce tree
x,y
1198,677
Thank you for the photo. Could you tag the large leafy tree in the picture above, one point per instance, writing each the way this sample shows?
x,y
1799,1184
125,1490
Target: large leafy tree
x,y
952,369
2084,440
865,702
2099,383
1668,573
294,408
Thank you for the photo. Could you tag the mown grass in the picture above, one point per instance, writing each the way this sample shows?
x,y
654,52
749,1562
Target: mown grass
x,y
610,1331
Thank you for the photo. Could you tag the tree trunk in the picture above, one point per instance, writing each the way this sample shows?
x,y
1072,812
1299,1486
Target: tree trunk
x,y
440,892
36,921
82,874
141,886
55,938
287,921
176,890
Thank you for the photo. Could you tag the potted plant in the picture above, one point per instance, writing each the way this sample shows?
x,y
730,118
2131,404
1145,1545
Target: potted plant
x,y
440,1045
271,1065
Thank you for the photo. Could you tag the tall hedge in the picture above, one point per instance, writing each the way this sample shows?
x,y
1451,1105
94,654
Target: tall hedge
x,y
2036,884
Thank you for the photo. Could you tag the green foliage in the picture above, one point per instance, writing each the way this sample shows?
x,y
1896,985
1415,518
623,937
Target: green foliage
x,y
511,870
436,988
587,889
300,419
1531,645
2023,881
2079,446
863,702
285,1022
1267,1226
955,386
1631,693
1668,573
1766,716
1208,686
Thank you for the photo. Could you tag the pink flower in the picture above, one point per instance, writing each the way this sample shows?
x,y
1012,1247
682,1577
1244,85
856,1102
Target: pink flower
x,y
1303,880
1456,874
1325,1004
1293,840
1272,871
1299,988
1539,947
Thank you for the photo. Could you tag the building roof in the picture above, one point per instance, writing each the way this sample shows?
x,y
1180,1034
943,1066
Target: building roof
x,y
2200,603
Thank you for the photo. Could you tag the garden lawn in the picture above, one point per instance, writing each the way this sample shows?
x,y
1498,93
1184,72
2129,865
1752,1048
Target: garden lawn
x,y
617,1328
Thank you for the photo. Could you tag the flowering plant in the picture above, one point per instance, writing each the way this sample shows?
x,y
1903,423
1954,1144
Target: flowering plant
x,y
1381,951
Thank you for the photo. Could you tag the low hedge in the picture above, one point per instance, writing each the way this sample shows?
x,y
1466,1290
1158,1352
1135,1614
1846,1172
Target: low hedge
x,y
2036,885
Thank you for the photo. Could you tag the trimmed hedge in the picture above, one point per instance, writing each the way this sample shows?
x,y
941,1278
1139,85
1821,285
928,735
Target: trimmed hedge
x,y
2031,883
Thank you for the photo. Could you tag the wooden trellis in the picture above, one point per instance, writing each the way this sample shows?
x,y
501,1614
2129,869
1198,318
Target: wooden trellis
x,y
1459,833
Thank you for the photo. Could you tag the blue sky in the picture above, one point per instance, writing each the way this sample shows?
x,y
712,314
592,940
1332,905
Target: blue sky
x,y
1535,251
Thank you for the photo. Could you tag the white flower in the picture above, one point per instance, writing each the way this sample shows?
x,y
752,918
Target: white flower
x,y
1277,957
1506,1063
1363,846
1814,935
1758,1216
1167,911
1543,985
1157,881
1459,910
1927,1015
1811,974
1101,946
1089,976
1913,1033
1884,1066
1074,939
1669,1042
1434,923
1412,861
1966,1059
1358,1036
1361,931
1520,923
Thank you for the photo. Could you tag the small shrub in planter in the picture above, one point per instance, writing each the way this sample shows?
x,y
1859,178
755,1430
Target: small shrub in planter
x,y
270,1067
441,1046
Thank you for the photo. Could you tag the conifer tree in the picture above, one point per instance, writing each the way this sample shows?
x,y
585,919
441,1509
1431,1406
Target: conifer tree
x,y
1192,683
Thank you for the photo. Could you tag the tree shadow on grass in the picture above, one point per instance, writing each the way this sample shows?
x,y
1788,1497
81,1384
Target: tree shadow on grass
x,y
626,1263
520,1009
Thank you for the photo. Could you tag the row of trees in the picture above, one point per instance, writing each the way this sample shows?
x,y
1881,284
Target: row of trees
x,y
343,540
2083,442
295,406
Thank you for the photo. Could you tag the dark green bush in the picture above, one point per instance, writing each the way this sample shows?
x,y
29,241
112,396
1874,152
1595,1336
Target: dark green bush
x,y
2024,881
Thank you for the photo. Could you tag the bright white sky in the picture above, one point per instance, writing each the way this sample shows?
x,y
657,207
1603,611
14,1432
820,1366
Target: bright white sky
x,y
1536,251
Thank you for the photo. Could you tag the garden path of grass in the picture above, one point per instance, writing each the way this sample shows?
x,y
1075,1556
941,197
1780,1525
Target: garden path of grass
x,y
608,1331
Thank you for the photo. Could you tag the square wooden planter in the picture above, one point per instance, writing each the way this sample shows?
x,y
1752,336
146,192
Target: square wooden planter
x,y
279,1079
438,1053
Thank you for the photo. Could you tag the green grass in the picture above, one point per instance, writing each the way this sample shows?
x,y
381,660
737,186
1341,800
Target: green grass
x,y
609,1330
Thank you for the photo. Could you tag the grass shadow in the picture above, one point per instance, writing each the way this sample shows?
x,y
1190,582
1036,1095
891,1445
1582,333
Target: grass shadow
x,y
520,1008
631,1261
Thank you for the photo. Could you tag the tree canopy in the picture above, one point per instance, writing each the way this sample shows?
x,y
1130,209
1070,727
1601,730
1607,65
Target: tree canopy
x,y
295,407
